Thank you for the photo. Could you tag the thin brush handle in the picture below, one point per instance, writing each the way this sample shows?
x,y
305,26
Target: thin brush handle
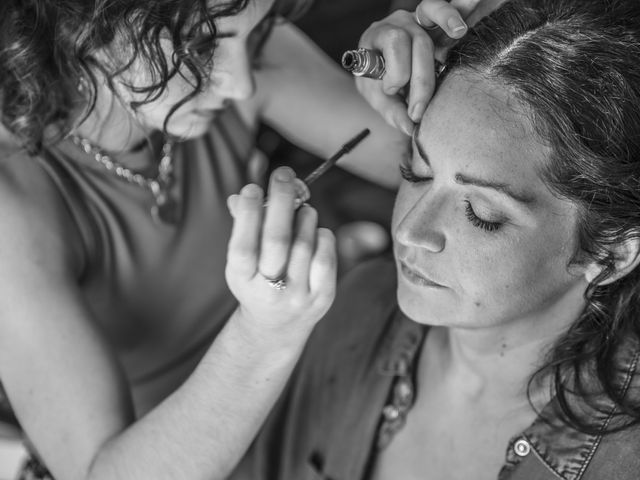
x,y
327,164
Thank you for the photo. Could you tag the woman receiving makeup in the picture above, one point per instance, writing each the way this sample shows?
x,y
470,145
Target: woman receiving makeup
x,y
503,341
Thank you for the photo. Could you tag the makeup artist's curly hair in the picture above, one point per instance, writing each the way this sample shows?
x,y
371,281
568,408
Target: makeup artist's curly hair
x,y
575,65
48,52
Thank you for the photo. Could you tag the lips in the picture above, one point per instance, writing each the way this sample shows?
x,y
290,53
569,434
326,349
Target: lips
x,y
417,278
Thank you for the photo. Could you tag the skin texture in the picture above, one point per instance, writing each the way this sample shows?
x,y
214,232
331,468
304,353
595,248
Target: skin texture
x,y
503,294
518,267
231,79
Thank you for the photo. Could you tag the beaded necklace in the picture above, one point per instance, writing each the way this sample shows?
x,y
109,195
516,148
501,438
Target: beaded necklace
x,y
165,208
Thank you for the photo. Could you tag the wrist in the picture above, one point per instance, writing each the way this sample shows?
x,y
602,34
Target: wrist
x,y
271,336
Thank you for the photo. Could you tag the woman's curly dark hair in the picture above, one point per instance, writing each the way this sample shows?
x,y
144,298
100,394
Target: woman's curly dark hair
x,y
48,50
575,65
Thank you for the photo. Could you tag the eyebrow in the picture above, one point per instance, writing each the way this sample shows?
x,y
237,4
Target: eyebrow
x,y
463,179
269,18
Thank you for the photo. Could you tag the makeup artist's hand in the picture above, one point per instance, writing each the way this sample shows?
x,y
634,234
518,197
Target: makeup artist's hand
x,y
409,50
279,242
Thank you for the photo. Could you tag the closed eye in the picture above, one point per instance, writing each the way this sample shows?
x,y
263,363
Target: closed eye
x,y
476,221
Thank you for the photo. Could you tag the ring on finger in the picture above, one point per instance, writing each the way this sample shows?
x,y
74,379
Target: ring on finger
x,y
424,27
279,283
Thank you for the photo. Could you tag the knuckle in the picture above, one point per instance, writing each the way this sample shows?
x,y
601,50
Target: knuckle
x,y
302,248
395,37
420,83
394,81
377,25
423,42
325,261
278,241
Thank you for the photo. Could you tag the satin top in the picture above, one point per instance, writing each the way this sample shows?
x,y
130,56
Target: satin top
x,y
157,290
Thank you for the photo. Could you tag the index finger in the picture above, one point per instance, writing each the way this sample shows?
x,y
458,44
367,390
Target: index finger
x,y
392,107
278,224
242,253
423,78
448,16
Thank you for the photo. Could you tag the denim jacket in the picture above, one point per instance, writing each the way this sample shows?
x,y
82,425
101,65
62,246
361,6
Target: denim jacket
x,y
330,418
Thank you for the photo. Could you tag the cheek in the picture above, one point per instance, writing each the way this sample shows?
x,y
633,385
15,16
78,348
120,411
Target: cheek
x,y
521,272
155,112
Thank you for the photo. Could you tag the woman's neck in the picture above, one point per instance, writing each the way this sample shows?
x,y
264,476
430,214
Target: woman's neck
x,y
495,363
476,366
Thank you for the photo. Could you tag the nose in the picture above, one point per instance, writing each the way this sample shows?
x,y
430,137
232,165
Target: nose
x,y
236,82
421,225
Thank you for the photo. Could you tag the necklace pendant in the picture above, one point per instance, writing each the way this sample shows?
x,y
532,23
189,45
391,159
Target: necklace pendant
x,y
166,211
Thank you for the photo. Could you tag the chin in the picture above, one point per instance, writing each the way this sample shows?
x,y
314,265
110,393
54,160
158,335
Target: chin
x,y
190,129
427,308
415,309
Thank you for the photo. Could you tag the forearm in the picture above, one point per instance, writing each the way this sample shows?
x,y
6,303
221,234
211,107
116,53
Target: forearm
x,y
315,104
202,430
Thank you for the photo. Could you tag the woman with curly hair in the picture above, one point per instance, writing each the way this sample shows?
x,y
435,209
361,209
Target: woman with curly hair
x,y
504,340
125,127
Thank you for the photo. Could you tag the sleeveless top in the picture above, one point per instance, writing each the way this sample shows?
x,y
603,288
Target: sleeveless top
x,y
157,290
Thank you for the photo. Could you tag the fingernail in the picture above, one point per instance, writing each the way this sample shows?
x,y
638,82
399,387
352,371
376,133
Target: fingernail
x,y
232,201
416,112
284,174
252,191
457,27
407,128
302,192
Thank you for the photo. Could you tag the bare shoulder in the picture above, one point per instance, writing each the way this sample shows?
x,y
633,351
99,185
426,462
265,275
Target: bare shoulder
x,y
36,225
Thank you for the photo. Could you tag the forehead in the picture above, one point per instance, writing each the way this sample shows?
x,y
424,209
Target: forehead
x,y
480,126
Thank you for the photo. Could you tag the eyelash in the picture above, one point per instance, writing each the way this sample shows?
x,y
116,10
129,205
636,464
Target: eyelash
x,y
479,222
408,175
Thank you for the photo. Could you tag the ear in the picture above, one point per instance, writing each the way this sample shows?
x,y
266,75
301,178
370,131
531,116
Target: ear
x,y
627,257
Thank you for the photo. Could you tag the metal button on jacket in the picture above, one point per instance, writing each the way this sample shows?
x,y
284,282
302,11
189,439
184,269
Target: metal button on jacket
x,y
522,448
